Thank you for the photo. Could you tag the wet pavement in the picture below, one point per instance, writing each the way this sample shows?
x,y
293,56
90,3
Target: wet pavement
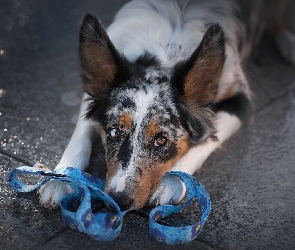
x,y
251,179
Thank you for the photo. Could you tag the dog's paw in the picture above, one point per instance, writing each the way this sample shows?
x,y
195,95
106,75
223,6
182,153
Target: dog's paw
x,y
52,192
170,191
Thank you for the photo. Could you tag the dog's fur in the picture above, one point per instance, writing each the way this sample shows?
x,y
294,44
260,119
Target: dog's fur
x,y
164,86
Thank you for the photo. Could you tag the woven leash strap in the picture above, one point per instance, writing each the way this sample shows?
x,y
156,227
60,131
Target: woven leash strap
x,y
78,214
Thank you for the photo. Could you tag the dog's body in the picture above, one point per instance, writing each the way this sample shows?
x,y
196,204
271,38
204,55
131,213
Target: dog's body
x,y
164,88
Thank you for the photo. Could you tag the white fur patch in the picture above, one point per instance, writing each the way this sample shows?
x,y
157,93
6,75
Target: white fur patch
x,y
118,182
142,101
226,125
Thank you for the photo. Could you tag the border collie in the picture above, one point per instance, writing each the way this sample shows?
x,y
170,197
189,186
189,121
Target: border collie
x,y
164,87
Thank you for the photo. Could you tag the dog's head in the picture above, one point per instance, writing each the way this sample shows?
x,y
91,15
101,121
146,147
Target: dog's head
x,y
150,115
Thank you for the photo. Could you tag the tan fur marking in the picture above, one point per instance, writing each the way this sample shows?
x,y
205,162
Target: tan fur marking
x,y
113,168
183,146
152,175
201,82
152,129
126,120
147,184
99,68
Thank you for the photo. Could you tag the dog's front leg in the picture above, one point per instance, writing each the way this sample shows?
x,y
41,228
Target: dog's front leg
x,y
171,189
77,154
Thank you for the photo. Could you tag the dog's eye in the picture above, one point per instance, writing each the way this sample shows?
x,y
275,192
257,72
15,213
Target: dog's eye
x,y
115,133
160,141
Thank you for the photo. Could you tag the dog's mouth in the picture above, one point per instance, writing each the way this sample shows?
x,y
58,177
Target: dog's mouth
x,y
130,201
135,196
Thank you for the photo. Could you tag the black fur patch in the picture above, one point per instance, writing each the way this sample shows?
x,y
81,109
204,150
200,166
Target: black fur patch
x,y
199,125
170,153
146,60
239,105
124,153
96,108
127,103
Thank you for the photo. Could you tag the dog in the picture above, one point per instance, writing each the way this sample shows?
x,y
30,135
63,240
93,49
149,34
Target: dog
x,y
164,87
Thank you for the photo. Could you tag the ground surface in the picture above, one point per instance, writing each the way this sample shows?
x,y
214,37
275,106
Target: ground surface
x,y
251,180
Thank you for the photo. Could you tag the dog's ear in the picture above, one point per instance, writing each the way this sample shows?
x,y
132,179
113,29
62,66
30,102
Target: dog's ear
x,y
102,65
196,79
195,82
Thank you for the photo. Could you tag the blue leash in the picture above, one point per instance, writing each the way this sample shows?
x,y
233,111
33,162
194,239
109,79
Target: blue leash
x,y
107,226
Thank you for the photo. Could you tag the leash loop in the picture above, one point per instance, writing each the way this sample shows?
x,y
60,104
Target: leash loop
x,y
184,234
77,211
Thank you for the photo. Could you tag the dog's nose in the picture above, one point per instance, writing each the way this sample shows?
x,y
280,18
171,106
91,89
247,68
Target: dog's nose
x,y
122,199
